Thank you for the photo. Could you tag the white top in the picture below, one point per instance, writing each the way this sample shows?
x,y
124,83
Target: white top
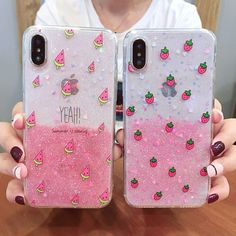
x,y
160,14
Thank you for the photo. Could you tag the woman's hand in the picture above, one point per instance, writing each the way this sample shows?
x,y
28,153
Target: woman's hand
x,y
224,154
11,161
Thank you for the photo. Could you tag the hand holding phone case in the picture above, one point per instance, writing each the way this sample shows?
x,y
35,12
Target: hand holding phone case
x,y
168,107
69,105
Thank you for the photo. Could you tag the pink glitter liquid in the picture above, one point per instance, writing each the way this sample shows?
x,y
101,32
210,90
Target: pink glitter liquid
x,y
170,151
61,172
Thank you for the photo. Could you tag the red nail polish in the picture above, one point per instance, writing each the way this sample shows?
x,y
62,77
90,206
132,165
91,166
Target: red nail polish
x,y
16,153
212,198
19,200
217,148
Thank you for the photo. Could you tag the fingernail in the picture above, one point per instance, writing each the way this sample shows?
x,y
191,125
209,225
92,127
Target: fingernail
x,y
212,198
15,120
215,169
20,200
17,172
219,116
16,153
217,148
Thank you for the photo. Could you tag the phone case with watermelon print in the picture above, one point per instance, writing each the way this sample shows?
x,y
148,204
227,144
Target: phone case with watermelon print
x,y
168,129
69,105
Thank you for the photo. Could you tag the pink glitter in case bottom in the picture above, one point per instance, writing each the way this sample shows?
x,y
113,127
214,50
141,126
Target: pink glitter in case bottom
x,y
162,169
68,169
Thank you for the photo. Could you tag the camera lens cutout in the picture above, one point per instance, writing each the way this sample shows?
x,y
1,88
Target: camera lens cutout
x,y
139,54
38,49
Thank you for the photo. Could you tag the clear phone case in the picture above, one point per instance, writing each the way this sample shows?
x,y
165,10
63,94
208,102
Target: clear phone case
x,y
69,105
168,128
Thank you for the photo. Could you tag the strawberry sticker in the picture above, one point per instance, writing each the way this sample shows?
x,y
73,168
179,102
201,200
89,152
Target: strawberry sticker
x,y
36,82
98,41
164,53
202,68
190,144
30,121
75,200
69,33
101,128
153,162
38,160
205,117
169,127
130,67
67,89
149,98
69,148
41,187
170,80
186,95
157,196
188,45
134,183
138,135
130,111
91,67
103,97
185,188
172,172
203,171
59,60
85,174
104,197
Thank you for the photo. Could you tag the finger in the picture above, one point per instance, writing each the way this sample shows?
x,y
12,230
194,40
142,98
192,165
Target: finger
x,y
225,164
9,167
11,142
217,105
18,108
225,138
15,192
217,116
120,137
219,190
18,122
118,152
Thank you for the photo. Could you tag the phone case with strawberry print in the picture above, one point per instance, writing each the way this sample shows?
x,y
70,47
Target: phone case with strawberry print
x,y
69,105
168,107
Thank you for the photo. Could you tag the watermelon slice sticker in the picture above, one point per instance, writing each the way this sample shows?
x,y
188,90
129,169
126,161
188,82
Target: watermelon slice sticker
x,y
91,67
101,128
104,197
75,200
38,160
85,174
30,121
67,89
109,159
41,187
103,98
36,82
98,41
59,60
69,33
69,148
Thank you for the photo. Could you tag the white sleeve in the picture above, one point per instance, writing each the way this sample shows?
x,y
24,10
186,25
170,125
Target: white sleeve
x,y
47,14
189,17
